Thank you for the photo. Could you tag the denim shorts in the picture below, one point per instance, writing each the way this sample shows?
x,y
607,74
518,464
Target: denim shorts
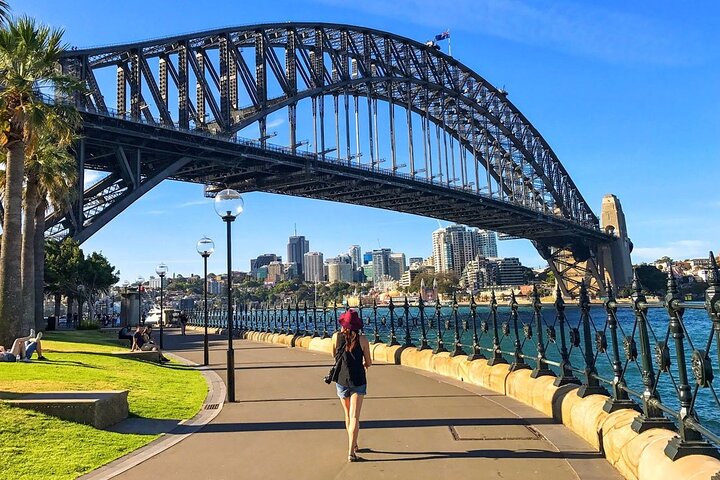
x,y
346,392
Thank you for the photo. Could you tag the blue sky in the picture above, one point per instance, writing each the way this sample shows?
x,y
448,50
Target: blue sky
x,y
626,93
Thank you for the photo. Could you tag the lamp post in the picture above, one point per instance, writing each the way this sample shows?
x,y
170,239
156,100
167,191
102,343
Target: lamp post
x,y
228,205
81,300
140,280
161,270
205,247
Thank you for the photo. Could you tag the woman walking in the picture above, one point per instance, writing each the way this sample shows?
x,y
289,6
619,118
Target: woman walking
x,y
352,352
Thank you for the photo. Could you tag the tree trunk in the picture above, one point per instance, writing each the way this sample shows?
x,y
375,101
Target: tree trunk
x,y
11,308
39,248
28,252
69,314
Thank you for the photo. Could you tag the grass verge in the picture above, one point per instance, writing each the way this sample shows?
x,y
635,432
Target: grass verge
x,y
35,445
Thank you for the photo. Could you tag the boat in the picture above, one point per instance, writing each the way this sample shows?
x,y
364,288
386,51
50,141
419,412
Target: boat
x,y
153,317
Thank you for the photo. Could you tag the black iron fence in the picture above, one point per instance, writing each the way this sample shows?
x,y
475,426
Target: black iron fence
x,y
653,357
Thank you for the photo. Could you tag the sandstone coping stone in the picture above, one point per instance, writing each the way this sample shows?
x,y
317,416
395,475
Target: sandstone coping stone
x,y
100,409
463,368
587,417
518,385
393,354
323,345
377,352
555,396
475,371
616,433
543,392
496,376
629,461
440,361
147,356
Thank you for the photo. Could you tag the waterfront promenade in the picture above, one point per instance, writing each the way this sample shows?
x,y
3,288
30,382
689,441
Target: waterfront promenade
x,y
288,423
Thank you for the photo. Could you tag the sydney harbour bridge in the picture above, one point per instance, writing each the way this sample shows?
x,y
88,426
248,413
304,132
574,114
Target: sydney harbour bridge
x,y
363,116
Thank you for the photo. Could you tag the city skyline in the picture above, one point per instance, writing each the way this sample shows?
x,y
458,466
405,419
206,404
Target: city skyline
x,y
609,96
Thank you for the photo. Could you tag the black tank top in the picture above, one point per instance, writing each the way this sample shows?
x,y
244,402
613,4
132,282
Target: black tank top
x,y
350,371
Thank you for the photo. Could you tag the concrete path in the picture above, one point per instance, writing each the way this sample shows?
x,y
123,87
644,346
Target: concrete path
x,y
287,423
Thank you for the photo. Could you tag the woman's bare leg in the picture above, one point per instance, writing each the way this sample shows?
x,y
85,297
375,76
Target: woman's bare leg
x,y
18,347
345,402
356,402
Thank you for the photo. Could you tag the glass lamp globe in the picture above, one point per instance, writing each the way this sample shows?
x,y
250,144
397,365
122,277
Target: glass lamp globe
x,y
229,203
205,246
161,269
140,280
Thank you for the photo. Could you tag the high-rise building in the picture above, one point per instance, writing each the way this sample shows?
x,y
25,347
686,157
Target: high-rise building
x,y
381,263
355,256
486,243
261,261
511,271
339,271
367,258
276,272
313,267
396,265
456,245
418,260
480,273
296,250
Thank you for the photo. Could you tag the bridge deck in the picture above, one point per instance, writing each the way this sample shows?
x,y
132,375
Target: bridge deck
x,y
288,424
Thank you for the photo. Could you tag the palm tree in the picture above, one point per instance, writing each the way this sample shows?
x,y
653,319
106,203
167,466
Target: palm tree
x,y
29,54
51,173
4,12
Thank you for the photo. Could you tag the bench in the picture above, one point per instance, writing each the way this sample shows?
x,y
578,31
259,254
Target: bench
x,y
100,409
147,356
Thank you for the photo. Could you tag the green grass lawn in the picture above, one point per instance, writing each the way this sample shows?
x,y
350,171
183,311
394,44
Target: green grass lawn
x,y
33,445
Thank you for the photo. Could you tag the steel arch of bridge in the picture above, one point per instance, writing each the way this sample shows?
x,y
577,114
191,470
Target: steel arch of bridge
x,y
504,175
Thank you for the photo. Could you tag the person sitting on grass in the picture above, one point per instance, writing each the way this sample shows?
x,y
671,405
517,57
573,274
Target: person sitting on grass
x,y
142,342
23,348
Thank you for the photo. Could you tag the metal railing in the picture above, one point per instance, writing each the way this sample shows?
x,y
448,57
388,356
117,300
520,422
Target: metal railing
x,y
636,352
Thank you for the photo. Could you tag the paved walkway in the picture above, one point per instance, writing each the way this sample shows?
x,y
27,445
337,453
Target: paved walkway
x,y
287,423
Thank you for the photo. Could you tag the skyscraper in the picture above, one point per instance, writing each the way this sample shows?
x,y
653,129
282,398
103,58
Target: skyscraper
x,y
381,263
261,261
296,250
396,265
356,256
486,243
314,267
455,246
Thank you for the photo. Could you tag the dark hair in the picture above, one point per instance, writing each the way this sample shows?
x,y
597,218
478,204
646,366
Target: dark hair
x,y
351,339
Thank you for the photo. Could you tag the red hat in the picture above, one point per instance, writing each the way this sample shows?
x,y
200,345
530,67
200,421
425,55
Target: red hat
x,y
351,320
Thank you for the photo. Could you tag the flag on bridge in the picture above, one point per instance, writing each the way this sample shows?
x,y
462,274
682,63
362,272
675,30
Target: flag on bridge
x,y
442,36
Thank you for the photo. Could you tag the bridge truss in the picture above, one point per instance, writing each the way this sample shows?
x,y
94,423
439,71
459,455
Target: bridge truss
x,y
385,121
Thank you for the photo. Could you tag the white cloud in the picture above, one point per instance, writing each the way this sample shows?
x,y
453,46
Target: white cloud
x,y
155,212
678,250
195,203
275,122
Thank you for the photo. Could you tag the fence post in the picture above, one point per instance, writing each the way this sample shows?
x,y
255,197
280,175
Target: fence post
x,y
497,357
458,350
440,345
518,361
297,319
314,315
541,367
592,384
566,374
423,334
651,416
376,334
619,398
690,441
408,337
476,352
324,314
393,339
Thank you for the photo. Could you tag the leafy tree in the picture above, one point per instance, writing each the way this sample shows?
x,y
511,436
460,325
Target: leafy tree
x,y
4,12
97,275
652,280
62,270
29,53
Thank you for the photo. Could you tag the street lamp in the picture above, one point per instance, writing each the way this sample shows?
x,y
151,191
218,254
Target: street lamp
x,y
161,270
205,247
81,300
228,205
140,280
